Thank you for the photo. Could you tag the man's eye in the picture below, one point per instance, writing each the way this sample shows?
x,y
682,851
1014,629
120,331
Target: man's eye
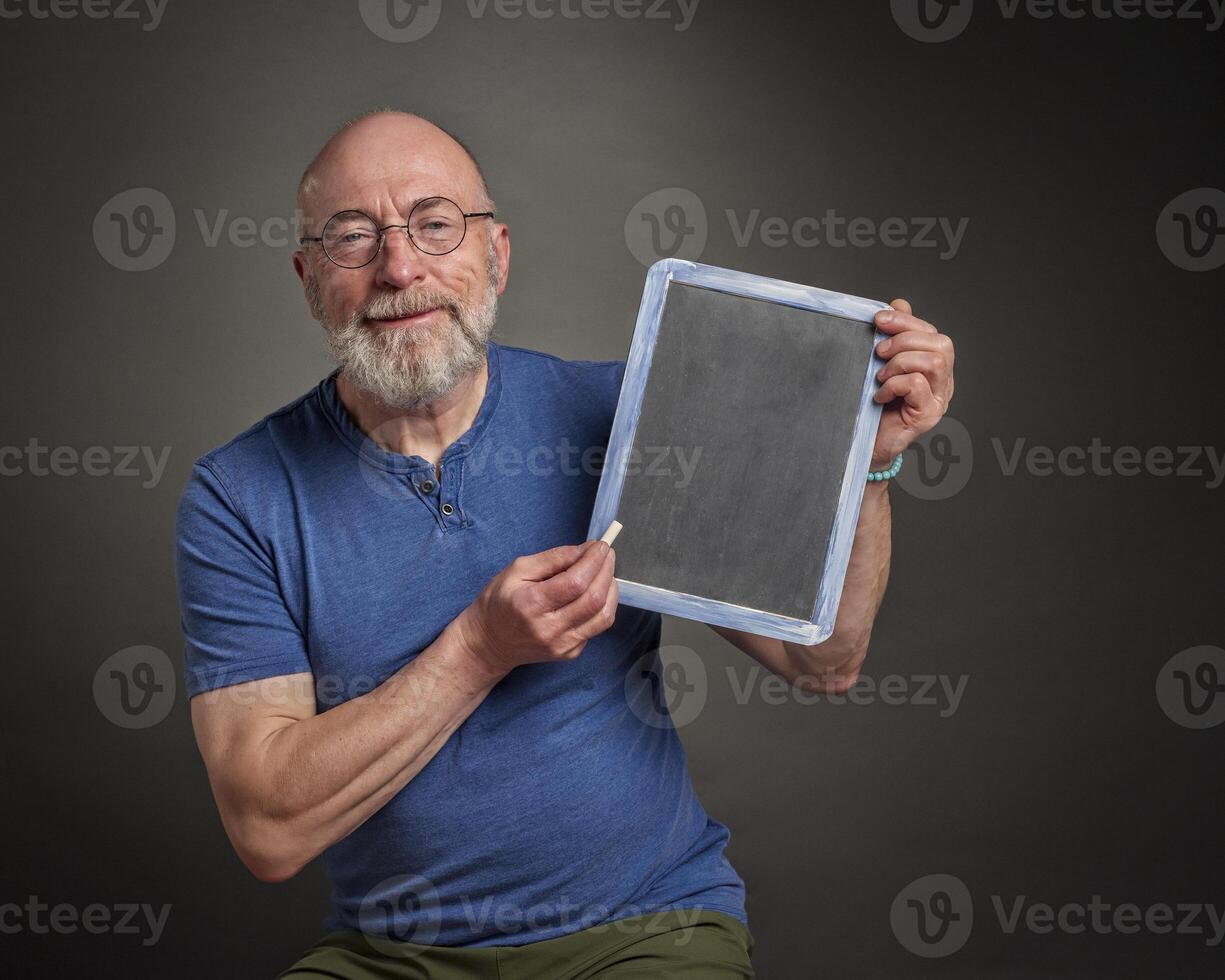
x,y
356,237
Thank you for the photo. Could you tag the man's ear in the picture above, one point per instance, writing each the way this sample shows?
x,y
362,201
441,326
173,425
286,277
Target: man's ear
x,y
501,245
299,266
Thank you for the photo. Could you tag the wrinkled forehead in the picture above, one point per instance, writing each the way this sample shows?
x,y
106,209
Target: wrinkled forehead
x,y
385,173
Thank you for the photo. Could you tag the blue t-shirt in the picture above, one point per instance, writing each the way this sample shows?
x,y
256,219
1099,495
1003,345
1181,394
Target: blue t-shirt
x,y
563,800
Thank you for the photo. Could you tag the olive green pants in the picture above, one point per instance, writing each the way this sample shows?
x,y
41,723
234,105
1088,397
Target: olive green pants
x,y
695,943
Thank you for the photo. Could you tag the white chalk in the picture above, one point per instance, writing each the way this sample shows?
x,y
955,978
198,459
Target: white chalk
x,y
611,534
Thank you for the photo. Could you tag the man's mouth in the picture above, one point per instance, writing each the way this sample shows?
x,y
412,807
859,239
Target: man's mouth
x,y
394,321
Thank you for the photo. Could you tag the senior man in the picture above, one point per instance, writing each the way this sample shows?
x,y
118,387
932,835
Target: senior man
x,y
403,656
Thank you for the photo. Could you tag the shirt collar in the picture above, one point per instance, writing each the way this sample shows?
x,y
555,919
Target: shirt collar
x,y
374,454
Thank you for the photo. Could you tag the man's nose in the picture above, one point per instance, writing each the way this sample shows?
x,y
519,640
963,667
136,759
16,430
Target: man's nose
x,y
400,263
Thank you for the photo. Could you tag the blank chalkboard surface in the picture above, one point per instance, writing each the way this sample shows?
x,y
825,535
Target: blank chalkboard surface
x,y
740,448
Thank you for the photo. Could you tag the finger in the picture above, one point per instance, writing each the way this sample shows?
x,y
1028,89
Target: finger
x,y
573,616
932,366
566,586
918,401
546,564
604,617
938,343
613,600
895,321
902,304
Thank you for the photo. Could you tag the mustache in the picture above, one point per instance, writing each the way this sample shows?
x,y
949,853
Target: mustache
x,y
410,302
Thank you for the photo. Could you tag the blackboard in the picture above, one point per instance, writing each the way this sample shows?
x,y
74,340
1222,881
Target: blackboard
x,y
740,449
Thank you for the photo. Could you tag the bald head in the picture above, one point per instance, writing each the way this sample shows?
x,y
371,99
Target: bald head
x,y
379,156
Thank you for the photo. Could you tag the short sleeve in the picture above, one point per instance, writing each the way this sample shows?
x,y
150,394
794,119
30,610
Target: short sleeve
x,y
235,622
607,379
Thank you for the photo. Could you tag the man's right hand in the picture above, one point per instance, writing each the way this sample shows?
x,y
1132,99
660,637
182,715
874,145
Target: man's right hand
x,y
542,607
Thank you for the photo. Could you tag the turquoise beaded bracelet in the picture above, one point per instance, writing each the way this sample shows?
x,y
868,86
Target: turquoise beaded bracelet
x,y
889,474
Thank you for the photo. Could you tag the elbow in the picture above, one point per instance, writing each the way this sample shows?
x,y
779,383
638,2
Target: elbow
x,y
836,675
826,682
840,683
273,874
269,851
269,869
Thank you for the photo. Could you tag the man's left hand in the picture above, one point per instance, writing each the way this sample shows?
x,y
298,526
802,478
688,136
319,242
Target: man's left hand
x,y
916,381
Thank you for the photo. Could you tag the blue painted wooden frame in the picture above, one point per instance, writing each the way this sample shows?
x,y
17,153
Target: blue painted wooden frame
x,y
625,424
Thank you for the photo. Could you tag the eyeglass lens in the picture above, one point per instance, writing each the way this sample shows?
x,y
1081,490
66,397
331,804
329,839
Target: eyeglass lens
x,y
436,226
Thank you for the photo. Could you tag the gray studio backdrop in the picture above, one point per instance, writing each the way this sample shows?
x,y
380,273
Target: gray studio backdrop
x,y
1025,783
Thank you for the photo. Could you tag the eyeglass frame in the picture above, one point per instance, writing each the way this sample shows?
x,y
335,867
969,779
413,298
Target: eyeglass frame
x,y
386,228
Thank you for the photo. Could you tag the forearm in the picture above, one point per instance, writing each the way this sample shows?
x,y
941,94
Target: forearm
x,y
839,658
319,778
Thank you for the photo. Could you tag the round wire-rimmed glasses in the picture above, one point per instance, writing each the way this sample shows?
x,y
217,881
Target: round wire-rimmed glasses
x,y
436,226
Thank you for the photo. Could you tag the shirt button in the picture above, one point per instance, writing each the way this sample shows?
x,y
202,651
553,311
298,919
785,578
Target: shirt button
x,y
427,486
448,509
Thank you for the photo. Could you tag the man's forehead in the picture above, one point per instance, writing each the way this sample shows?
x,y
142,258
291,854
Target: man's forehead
x,y
371,166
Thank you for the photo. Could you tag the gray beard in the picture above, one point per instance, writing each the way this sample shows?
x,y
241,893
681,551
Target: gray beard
x,y
412,366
